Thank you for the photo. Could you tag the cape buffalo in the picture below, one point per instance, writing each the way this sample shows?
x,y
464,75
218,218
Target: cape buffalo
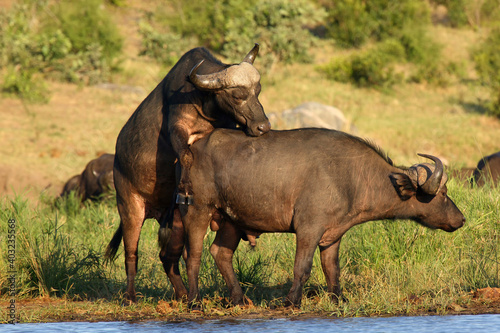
x,y
316,183
488,170
198,94
96,179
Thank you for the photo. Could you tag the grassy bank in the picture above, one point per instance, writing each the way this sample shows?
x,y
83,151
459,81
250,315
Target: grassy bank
x,y
388,267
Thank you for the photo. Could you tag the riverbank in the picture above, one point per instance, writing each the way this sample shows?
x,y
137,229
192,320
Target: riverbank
x,y
51,309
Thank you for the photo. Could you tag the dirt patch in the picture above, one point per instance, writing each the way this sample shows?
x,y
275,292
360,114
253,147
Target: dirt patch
x,y
16,180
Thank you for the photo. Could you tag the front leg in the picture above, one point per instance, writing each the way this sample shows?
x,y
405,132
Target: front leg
x,y
195,221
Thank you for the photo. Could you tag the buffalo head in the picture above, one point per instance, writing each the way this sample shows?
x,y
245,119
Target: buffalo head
x,y
236,89
423,187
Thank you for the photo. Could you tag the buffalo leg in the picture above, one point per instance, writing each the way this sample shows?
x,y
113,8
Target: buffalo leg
x,y
195,230
172,255
222,250
306,245
132,215
331,268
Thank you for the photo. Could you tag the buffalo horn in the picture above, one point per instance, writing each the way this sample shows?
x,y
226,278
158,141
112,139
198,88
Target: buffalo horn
x,y
207,81
431,186
250,58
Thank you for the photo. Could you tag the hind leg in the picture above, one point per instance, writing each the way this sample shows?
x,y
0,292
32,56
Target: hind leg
x,y
132,215
222,250
172,254
331,268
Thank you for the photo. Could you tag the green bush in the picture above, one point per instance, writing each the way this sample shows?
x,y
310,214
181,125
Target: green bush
x,y
349,23
84,23
412,48
24,83
487,62
370,68
457,13
352,22
166,47
419,47
474,13
231,27
70,41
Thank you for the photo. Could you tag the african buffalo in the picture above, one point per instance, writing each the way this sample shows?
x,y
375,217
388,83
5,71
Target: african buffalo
x,y
198,94
488,170
95,180
316,183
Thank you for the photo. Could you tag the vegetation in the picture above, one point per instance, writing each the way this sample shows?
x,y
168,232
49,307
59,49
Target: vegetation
x,y
387,266
487,60
76,42
352,23
230,26
70,41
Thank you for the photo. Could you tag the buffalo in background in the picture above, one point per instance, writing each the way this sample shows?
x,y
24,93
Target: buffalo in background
x,y
486,172
316,183
199,94
95,180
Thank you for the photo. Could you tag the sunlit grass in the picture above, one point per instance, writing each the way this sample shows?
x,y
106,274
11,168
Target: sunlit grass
x,y
388,267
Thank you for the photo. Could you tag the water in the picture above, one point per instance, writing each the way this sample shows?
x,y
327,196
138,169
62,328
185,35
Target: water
x,y
435,324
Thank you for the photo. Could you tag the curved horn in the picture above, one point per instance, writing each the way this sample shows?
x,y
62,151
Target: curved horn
x,y
250,58
207,81
431,186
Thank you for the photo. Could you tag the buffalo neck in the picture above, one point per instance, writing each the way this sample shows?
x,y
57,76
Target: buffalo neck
x,y
379,200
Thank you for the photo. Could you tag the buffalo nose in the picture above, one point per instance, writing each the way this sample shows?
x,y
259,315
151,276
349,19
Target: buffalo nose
x,y
460,223
264,127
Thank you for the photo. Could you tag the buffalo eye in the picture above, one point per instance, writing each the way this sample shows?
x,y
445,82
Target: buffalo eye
x,y
239,95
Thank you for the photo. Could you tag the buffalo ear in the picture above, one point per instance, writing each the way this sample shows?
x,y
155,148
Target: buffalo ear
x,y
403,185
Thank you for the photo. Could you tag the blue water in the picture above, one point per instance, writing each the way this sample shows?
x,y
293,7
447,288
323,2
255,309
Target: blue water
x,y
434,324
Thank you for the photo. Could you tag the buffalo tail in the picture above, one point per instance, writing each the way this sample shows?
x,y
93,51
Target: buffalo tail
x,y
114,244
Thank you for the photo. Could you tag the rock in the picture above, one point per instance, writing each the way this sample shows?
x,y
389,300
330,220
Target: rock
x,y
312,114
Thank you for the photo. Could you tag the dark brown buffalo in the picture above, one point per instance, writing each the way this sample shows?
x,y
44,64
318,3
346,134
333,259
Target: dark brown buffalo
x,y
488,170
95,180
198,94
316,183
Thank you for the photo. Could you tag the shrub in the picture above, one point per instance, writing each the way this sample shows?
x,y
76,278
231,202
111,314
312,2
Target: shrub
x,y
24,83
373,67
231,27
166,47
85,23
352,22
79,44
419,47
349,23
487,61
473,13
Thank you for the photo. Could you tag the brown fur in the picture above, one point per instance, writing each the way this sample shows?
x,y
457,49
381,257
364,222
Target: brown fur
x,y
316,183
159,133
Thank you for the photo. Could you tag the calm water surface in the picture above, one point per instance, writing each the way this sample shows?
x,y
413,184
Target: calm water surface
x,y
434,324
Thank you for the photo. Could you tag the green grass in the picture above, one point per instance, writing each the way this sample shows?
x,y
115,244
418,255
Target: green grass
x,y
388,267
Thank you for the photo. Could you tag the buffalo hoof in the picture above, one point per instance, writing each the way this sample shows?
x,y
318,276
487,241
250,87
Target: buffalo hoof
x,y
183,199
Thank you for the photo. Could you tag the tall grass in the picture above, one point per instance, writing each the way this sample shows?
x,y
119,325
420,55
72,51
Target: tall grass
x,y
387,266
